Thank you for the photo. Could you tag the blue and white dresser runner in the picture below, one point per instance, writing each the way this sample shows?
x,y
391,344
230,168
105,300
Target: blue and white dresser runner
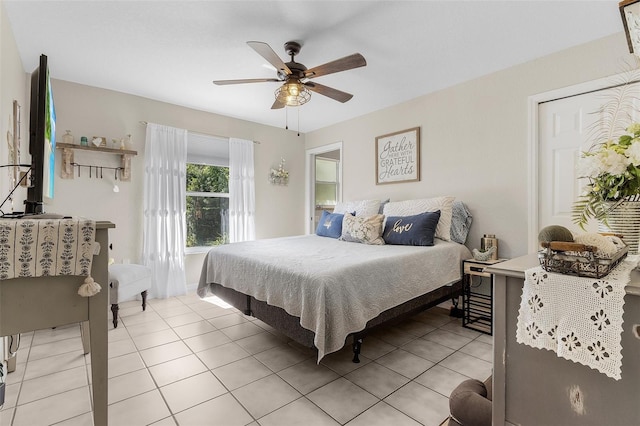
x,y
48,247
580,319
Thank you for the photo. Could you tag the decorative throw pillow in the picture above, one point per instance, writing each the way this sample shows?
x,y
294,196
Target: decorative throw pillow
x,y
418,230
330,225
413,207
362,207
360,229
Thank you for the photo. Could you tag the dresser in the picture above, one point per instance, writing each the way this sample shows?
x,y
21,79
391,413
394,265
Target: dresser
x,y
28,304
535,387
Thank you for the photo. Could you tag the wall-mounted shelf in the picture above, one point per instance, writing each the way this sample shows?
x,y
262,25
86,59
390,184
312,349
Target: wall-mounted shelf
x,y
68,163
61,145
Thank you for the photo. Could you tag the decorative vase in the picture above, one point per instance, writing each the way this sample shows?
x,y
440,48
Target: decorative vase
x,y
624,220
67,137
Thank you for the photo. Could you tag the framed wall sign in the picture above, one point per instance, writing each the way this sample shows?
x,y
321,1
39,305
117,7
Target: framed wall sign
x,y
398,157
630,12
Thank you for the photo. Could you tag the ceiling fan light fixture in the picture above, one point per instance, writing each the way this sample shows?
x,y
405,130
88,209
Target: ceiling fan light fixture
x,y
293,93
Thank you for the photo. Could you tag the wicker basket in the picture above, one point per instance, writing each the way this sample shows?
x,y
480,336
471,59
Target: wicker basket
x,y
578,259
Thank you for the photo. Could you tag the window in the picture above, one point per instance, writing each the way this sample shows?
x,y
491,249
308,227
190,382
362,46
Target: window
x,y
207,191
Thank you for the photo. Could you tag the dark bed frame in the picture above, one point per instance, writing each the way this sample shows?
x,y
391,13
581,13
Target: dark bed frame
x,y
289,325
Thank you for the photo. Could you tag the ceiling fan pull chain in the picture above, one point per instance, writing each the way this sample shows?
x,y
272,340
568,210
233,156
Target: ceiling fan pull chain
x,y
298,121
286,118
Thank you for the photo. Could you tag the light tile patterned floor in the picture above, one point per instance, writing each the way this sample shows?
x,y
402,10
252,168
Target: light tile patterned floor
x,y
189,362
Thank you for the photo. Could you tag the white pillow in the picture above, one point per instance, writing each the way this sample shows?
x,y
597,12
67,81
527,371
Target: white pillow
x,y
413,207
362,207
606,245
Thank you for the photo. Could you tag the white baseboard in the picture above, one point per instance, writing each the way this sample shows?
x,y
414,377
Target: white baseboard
x,y
191,288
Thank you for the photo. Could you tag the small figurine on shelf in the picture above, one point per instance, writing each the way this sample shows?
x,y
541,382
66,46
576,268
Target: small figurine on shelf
x,y
125,142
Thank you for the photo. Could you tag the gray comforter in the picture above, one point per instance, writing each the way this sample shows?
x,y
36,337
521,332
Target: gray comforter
x,y
335,287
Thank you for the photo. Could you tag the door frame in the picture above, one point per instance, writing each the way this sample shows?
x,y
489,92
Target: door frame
x,y
533,143
310,179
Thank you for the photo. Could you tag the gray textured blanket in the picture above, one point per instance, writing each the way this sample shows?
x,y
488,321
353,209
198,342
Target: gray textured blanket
x,y
335,287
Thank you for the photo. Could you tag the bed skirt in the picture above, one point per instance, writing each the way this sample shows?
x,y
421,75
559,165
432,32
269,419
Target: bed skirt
x,y
289,325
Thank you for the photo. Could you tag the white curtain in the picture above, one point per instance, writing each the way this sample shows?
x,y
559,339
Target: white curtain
x,y
165,165
242,199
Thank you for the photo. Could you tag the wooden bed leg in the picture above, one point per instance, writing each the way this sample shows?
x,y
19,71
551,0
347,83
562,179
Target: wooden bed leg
x,y
248,310
455,311
144,300
114,310
357,344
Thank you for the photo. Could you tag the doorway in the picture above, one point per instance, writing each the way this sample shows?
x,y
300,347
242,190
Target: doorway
x,y
324,182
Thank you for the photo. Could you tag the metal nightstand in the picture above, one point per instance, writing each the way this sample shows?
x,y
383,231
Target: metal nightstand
x,y
477,299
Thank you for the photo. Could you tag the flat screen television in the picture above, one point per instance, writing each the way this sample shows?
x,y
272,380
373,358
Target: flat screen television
x,y
42,139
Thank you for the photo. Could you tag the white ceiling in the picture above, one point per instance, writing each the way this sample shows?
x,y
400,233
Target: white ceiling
x,y
172,50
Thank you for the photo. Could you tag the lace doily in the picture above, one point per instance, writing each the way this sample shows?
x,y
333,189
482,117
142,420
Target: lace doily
x,y
578,318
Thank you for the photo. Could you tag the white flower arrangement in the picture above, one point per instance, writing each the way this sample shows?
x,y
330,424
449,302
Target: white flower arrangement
x,y
613,170
280,175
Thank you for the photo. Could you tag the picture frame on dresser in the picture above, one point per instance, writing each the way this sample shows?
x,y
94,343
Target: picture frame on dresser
x,y
630,14
398,157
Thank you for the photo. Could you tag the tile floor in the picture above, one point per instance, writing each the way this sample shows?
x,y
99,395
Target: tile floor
x,y
190,362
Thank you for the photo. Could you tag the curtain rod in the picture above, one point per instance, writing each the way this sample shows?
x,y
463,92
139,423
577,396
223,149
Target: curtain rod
x,y
206,134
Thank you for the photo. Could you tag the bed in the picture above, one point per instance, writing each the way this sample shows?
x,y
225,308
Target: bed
x,y
320,291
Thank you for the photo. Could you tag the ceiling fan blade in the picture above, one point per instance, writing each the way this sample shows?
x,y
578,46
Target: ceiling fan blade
x,y
277,104
267,53
330,92
250,80
348,62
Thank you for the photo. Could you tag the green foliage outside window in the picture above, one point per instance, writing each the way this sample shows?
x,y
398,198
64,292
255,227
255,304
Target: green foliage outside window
x,y
204,178
207,214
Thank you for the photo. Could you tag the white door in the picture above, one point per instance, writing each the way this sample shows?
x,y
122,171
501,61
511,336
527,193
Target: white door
x,y
563,129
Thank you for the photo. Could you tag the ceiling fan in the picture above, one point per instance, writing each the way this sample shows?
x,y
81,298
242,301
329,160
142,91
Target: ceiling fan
x,y
296,77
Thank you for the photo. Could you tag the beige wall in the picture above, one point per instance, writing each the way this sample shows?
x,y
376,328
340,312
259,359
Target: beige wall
x,y
90,111
474,139
12,86
13,82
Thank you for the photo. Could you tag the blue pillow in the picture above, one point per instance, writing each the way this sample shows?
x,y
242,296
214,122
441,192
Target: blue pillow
x,y
330,225
418,230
